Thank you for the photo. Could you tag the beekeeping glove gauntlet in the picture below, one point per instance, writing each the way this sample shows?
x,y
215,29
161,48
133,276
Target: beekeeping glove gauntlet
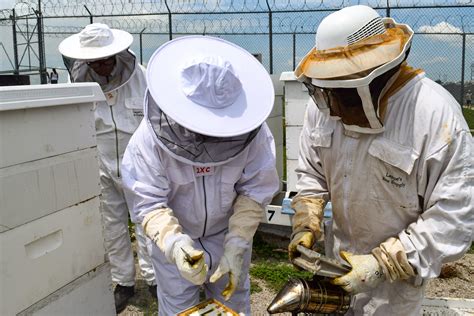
x,y
242,226
365,275
306,223
163,228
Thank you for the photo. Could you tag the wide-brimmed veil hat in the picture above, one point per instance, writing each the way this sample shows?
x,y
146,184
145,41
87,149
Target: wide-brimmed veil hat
x,y
95,41
210,86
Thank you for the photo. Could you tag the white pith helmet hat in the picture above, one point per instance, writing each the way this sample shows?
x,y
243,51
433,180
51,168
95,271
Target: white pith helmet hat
x,y
352,40
210,86
95,41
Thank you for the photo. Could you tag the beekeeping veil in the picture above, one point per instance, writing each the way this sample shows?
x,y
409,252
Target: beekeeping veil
x,y
357,58
206,99
97,42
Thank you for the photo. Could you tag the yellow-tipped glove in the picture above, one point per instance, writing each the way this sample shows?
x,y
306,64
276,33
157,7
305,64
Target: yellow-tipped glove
x,y
231,263
306,239
163,228
242,226
365,275
190,262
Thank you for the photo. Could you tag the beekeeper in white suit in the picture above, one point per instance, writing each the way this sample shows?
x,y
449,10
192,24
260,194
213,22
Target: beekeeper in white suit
x,y
100,54
392,151
200,169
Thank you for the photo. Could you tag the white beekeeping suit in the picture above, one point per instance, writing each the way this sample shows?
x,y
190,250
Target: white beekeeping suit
x,y
200,169
124,85
392,151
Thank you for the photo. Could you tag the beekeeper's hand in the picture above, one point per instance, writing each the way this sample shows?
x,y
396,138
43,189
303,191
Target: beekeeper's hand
x,y
304,238
190,261
365,275
231,263
306,223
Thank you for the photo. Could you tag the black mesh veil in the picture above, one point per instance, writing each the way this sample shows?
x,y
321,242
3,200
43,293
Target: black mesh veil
x,y
193,147
79,71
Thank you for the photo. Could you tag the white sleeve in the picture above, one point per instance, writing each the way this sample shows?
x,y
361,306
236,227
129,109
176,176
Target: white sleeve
x,y
259,180
444,231
145,186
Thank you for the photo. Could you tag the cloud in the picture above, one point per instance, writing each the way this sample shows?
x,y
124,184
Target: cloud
x,y
442,32
441,27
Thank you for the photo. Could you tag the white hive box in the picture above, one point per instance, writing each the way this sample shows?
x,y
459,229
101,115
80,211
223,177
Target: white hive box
x,y
275,123
296,98
50,226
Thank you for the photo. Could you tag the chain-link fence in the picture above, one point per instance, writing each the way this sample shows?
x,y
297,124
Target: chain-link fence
x,y
279,32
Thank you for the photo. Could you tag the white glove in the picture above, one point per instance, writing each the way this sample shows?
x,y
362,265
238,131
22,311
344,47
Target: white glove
x,y
365,275
190,262
231,262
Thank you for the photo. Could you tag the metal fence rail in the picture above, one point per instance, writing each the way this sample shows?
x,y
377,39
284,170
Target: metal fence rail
x,y
281,32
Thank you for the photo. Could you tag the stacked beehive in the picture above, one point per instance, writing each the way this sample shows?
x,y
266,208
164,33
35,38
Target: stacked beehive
x,y
52,258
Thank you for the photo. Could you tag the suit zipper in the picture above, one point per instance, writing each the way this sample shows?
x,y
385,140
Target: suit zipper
x,y
116,141
205,222
205,206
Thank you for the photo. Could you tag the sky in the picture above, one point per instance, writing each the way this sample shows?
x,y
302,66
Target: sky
x,y
6,4
439,55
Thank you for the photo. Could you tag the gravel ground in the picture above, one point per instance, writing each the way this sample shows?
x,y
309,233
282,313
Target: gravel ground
x,y
456,281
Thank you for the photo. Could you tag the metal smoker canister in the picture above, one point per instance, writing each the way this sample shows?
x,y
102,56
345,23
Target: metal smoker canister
x,y
310,296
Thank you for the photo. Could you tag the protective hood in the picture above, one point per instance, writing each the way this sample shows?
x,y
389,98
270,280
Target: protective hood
x,y
79,71
190,147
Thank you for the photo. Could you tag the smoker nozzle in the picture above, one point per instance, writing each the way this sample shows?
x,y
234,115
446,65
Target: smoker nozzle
x,y
310,296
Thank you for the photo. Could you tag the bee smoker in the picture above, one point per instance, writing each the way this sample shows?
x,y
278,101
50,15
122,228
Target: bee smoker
x,y
310,296
317,295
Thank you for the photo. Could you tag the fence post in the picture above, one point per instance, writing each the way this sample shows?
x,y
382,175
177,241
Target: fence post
x,y
387,10
91,18
16,69
270,33
170,28
294,50
41,54
141,46
463,64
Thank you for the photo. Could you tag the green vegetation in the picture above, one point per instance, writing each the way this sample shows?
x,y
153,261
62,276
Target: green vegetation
x,y
270,263
471,250
254,287
469,116
276,275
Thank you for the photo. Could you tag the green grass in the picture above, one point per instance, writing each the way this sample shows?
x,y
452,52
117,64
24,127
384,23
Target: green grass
x,y
275,275
270,264
254,287
469,116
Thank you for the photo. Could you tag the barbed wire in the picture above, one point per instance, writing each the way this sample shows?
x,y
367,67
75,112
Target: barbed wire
x,y
253,25
189,16
60,8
